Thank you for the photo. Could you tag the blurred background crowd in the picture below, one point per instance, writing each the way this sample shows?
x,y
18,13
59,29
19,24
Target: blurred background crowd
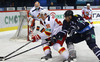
x,y
20,3
48,3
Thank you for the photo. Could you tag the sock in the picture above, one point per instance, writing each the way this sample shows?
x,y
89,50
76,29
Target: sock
x,y
96,51
46,50
64,53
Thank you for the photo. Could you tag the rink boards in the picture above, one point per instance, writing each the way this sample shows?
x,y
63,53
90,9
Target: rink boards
x,y
9,20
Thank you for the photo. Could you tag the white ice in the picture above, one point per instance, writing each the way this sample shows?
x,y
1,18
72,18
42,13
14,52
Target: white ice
x,y
84,54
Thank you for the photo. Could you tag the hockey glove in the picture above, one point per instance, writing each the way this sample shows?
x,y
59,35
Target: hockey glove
x,y
54,39
60,35
36,38
72,30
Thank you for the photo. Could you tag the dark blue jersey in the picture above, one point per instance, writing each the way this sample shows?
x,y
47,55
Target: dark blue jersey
x,y
77,24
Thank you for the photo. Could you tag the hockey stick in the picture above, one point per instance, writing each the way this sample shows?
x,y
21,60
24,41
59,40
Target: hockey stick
x,y
23,52
15,50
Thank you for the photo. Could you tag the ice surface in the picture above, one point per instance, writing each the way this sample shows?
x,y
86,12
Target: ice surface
x,y
7,45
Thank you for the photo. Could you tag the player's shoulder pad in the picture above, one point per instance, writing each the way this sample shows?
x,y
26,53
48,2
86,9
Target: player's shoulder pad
x,y
90,9
32,9
50,19
64,21
47,19
84,7
78,16
41,8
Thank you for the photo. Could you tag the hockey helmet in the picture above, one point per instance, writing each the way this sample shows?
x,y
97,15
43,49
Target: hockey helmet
x,y
68,13
37,5
45,11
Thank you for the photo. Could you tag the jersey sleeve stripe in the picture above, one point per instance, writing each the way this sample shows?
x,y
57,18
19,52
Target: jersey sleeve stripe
x,y
47,33
42,30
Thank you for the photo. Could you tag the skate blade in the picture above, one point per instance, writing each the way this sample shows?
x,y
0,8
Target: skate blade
x,y
65,61
43,60
74,60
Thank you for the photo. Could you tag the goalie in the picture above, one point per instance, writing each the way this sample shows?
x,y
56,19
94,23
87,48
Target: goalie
x,y
52,27
34,19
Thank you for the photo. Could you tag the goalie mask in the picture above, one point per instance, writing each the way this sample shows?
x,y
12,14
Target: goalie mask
x,y
37,5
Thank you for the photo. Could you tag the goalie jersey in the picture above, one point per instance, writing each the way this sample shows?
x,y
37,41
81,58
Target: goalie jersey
x,y
35,13
52,27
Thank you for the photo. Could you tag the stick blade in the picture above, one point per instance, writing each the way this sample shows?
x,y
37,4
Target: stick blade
x,y
1,58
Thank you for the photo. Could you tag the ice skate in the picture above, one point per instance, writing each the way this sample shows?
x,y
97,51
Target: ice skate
x,y
47,57
72,56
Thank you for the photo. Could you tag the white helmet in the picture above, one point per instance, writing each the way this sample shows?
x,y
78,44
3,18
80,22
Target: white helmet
x,y
88,4
45,11
37,4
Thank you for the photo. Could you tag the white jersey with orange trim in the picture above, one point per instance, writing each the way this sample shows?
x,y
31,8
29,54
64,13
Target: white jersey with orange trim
x,y
52,27
87,13
35,13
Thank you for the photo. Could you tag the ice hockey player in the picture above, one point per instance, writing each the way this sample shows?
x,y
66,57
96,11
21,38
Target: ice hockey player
x,y
52,27
34,14
87,13
78,30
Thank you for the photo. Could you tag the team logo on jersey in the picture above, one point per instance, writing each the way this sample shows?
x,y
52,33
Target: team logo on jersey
x,y
93,36
81,21
53,14
87,13
48,25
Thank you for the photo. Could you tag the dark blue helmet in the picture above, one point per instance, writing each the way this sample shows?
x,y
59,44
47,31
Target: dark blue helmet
x,y
68,13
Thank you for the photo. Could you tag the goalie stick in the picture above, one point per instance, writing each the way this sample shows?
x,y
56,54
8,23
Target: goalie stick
x,y
3,59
